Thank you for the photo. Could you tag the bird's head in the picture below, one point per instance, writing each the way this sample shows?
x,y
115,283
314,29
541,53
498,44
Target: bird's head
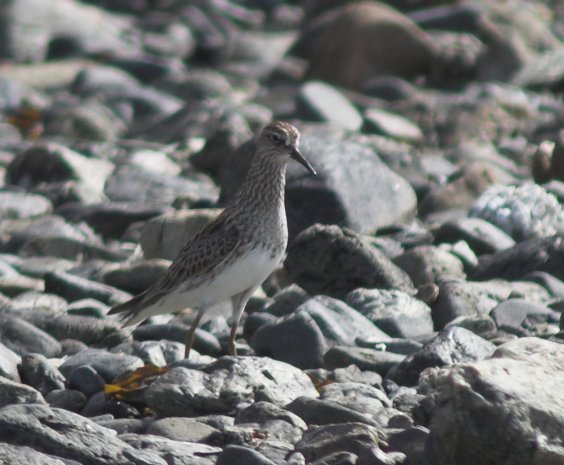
x,y
281,139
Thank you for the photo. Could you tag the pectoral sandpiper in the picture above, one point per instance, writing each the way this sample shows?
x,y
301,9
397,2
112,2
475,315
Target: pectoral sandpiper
x,y
234,254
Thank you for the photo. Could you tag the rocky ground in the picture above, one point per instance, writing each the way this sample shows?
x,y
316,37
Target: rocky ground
x,y
417,318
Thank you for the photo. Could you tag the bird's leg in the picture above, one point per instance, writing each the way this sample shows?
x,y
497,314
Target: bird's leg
x,y
238,302
192,331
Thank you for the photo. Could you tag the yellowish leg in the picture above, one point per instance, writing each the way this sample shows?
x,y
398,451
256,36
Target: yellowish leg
x,y
192,332
238,302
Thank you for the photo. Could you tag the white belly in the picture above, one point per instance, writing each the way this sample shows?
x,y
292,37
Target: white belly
x,y
248,271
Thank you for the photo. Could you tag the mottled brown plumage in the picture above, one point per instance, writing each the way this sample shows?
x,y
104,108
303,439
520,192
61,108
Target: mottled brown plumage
x,y
233,255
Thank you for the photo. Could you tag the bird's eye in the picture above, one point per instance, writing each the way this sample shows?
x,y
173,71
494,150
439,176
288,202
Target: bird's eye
x,y
275,138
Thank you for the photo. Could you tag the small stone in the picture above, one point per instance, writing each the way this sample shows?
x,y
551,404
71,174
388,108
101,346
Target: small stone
x,y
85,379
225,384
63,433
428,264
28,168
333,261
37,372
138,277
238,455
325,412
321,441
106,364
181,429
9,362
482,236
15,205
542,254
396,313
392,125
319,101
12,392
451,346
23,337
366,359
523,212
73,287
67,399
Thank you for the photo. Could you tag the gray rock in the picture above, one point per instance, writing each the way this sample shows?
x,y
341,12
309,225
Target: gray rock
x,y
136,278
337,458
28,168
318,101
396,313
149,351
331,45
85,379
90,29
106,364
101,407
12,392
263,412
73,287
12,455
124,425
476,299
225,385
360,397
37,267
377,456
353,189
176,452
392,125
411,442
110,219
133,184
482,236
89,121
553,285
296,339
9,362
38,372
543,72
451,346
365,359
321,441
16,205
543,254
303,337
61,433
287,300
204,342
165,235
88,307
513,312
238,455
84,329
504,410
339,323
463,189
24,338
67,399
523,212
181,429
326,412
13,285
333,261
41,301
427,264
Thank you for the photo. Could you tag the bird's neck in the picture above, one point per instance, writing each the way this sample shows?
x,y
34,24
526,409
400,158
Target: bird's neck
x,y
263,188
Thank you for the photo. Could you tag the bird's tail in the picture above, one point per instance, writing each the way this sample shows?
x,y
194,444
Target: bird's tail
x,y
130,312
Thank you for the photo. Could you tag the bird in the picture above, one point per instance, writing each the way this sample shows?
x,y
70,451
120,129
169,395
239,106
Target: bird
x,y
229,258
